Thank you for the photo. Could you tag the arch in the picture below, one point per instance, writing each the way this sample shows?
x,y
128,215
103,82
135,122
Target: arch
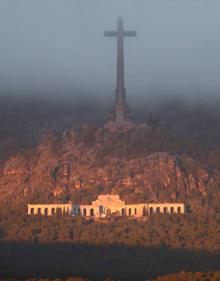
x,y
32,211
46,211
151,210
144,212
53,211
39,211
158,210
101,210
135,211
123,212
91,212
179,210
74,211
165,210
59,211
108,212
84,212
172,210
129,211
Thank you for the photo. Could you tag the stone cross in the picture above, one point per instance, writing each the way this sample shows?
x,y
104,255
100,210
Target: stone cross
x,y
120,111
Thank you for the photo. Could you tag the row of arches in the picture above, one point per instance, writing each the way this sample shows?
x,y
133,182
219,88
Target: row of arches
x,y
163,210
83,212
129,212
90,211
152,210
49,211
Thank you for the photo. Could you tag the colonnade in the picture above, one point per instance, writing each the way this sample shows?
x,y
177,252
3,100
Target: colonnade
x,y
166,208
49,209
132,210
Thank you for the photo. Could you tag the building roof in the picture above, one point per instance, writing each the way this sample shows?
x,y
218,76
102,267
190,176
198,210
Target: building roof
x,y
108,199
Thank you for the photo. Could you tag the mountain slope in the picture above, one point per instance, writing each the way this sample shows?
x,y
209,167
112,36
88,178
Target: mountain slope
x,y
139,164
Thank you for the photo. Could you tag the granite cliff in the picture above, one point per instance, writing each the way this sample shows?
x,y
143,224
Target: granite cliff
x,y
139,164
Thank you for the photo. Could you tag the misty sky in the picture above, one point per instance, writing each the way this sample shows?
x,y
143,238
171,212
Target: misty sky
x,y
57,47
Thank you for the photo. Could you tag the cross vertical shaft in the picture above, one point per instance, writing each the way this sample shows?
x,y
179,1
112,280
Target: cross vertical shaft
x,y
121,112
120,88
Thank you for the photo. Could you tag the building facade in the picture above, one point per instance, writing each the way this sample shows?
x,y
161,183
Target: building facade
x,y
106,205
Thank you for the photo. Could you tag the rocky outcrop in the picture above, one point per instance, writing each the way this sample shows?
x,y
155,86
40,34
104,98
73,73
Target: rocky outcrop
x,y
93,159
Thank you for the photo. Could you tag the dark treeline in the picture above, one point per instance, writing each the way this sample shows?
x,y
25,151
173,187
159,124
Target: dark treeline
x,y
116,248
181,276
189,276
24,260
176,232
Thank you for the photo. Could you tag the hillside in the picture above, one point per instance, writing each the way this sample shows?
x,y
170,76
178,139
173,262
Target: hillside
x,y
140,164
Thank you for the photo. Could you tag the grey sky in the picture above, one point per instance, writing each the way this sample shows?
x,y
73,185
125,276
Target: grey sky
x,y
57,47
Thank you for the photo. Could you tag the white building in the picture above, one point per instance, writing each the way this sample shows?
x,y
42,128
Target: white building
x,y
107,205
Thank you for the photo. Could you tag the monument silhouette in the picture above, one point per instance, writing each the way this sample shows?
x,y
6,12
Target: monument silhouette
x,y
120,112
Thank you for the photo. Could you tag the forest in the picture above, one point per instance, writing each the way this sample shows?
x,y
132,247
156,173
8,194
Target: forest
x,y
117,248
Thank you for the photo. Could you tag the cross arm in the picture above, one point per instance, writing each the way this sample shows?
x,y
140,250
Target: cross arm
x,y
111,33
129,33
